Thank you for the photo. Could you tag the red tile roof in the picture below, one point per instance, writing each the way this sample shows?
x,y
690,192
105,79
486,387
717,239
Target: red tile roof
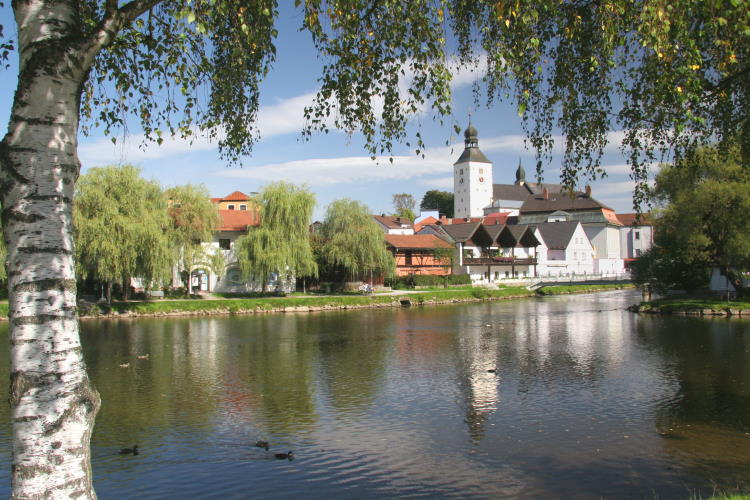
x,y
416,241
496,218
237,220
633,220
236,196
393,222
424,222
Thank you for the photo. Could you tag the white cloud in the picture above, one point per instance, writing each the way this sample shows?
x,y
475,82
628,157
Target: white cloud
x,y
439,182
352,169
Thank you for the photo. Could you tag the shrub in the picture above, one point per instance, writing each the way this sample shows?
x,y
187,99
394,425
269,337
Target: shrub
x,y
412,280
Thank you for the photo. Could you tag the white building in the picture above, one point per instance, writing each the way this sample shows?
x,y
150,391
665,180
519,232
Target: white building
x,y
636,236
472,179
565,249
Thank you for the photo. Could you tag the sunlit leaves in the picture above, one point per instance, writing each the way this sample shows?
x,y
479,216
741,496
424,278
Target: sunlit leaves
x,y
352,242
281,244
121,225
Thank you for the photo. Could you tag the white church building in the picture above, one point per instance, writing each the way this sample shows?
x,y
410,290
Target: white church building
x,y
475,195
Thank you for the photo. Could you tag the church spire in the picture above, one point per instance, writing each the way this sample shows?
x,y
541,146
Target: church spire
x,y
471,137
520,173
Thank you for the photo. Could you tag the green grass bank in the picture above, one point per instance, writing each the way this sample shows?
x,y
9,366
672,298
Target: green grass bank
x,y
268,304
696,306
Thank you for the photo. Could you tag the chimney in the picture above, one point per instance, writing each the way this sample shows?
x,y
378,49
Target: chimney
x,y
545,194
588,190
467,219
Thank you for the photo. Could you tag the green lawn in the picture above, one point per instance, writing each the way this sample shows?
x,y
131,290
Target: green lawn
x,y
683,303
340,301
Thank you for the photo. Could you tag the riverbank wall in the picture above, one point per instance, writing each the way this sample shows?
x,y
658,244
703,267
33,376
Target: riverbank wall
x,y
694,307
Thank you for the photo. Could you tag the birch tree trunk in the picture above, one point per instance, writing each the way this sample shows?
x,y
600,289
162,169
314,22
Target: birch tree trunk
x,y
52,401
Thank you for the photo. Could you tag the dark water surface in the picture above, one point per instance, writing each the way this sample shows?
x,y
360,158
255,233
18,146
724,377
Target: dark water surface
x,y
587,401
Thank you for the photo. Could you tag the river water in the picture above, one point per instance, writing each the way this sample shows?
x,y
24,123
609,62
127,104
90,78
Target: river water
x,y
557,397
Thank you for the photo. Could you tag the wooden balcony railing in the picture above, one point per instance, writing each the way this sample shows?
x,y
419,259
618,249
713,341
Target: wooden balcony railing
x,y
500,261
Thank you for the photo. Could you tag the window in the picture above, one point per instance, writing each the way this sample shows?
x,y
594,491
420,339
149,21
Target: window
x,y
407,258
225,244
461,172
481,170
497,275
637,252
243,207
230,207
637,235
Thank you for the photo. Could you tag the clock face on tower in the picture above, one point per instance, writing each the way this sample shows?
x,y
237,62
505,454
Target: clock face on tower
x,y
481,179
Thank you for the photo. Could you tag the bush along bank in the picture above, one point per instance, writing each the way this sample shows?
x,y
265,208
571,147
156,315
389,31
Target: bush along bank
x,y
695,306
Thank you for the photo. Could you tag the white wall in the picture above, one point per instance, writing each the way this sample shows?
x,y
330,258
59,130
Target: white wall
x,y
576,258
635,240
471,196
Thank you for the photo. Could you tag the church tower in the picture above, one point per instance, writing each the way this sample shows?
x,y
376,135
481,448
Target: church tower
x,y
472,178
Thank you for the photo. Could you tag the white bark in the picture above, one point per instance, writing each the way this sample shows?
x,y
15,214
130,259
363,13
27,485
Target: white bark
x,y
53,403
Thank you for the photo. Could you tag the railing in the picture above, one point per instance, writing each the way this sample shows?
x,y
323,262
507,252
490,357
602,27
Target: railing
x,y
539,281
499,261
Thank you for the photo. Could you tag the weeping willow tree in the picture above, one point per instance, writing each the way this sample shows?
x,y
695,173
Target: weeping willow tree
x,y
281,244
122,228
352,245
194,221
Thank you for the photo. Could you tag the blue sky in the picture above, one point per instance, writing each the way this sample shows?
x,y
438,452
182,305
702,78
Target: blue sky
x,y
333,165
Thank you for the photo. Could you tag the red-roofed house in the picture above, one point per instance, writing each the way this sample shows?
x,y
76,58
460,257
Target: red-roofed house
x,y
415,254
236,200
391,224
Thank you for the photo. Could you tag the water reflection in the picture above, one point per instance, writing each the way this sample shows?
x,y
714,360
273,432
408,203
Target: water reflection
x,y
557,397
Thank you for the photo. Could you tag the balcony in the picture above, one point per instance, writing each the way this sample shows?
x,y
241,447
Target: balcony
x,y
500,261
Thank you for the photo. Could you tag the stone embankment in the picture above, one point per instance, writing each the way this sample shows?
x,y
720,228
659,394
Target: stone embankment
x,y
713,311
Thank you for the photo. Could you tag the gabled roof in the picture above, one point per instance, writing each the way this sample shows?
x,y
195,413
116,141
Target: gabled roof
x,y
437,230
510,192
393,222
557,235
424,222
236,196
237,220
524,236
494,230
561,201
461,232
416,241
635,219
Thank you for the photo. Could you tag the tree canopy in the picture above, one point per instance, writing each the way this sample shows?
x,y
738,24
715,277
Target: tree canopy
x,y
122,226
352,245
404,205
281,244
194,220
442,201
702,224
